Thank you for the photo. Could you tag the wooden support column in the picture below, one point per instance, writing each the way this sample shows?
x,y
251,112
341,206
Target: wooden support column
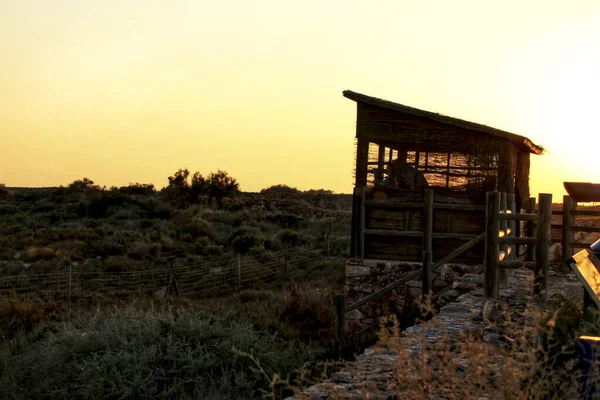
x,y
380,163
567,222
340,314
540,283
506,170
530,227
427,242
362,157
361,236
513,225
503,273
492,227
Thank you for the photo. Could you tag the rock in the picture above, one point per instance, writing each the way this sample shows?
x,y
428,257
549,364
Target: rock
x,y
353,271
490,309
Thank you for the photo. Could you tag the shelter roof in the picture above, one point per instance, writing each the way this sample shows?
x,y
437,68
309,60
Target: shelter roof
x,y
521,141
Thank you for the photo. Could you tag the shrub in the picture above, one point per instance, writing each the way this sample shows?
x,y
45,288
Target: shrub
x,y
4,194
280,190
140,189
293,238
243,239
132,354
221,185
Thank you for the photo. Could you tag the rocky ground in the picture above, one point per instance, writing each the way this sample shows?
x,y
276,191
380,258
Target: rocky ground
x,y
466,314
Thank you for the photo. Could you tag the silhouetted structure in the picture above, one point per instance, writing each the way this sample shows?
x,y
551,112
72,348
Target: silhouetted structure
x,y
400,150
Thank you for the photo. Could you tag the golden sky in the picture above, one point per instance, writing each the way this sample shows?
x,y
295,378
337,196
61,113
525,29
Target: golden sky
x,y
126,91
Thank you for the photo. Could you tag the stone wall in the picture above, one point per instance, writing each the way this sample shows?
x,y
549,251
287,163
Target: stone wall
x,y
364,277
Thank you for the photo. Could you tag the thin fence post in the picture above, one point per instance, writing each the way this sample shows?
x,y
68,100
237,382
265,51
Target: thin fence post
x,y
328,236
427,242
70,285
362,221
239,270
492,227
172,280
567,223
540,283
530,227
340,314
502,272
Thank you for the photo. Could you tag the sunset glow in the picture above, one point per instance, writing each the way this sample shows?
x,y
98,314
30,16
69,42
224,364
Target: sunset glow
x,y
131,91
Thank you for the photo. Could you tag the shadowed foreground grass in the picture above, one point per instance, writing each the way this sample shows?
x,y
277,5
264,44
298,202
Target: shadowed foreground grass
x,y
132,353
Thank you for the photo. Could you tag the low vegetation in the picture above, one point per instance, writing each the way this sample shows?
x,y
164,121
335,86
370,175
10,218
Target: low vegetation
x,y
230,346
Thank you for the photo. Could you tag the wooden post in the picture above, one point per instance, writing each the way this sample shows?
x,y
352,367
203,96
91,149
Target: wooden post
x,y
506,170
427,242
70,282
514,226
239,265
362,222
328,241
540,283
362,157
340,314
567,223
355,224
530,227
503,273
380,162
492,227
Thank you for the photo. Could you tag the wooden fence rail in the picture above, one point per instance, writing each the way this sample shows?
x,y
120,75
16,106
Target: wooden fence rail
x,y
500,243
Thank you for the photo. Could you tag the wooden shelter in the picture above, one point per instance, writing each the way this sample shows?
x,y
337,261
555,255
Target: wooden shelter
x,y
459,160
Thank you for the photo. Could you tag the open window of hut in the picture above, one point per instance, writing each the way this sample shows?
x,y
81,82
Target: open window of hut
x,y
402,150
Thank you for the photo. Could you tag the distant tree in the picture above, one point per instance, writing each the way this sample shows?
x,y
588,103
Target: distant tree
x,y
281,189
138,188
3,191
198,187
217,185
81,185
221,185
178,189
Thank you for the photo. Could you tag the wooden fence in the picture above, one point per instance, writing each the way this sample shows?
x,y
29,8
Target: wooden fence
x,y
569,227
502,241
505,233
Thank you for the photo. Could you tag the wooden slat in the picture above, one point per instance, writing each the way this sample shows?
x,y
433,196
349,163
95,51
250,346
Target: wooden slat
x,y
517,240
581,245
438,206
458,251
389,232
517,264
592,213
581,228
517,217
383,291
540,283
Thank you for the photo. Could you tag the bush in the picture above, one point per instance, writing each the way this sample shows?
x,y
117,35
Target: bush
x,y
132,354
4,194
293,238
139,189
280,190
243,239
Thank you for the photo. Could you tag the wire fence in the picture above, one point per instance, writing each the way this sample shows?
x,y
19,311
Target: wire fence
x,y
209,279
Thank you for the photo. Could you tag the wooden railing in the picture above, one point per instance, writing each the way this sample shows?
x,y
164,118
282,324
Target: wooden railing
x,y
569,227
501,240
503,236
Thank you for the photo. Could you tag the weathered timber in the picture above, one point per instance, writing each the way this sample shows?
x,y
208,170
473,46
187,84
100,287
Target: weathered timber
x,y
543,234
490,281
504,231
362,221
383,291
567,223
517,240
518,217
458,251
427,242
530,227
517,264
